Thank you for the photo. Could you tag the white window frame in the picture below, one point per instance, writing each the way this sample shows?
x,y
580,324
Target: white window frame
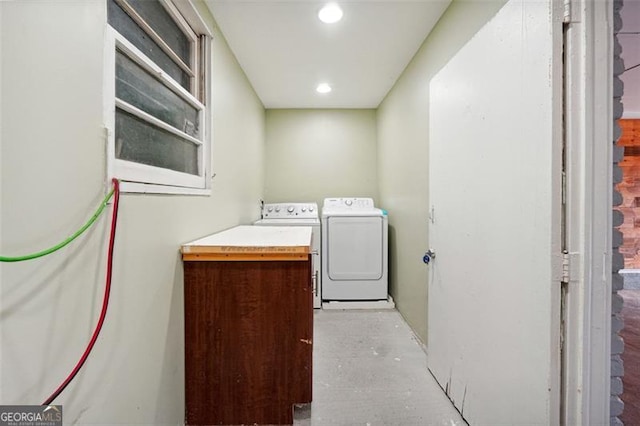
x,y
142,178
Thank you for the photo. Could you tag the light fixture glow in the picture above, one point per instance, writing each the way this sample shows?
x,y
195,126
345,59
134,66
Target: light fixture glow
x,y
330,13
323,88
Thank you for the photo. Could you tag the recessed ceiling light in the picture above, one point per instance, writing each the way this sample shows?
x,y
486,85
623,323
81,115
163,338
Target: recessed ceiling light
x,y
323,88
330,13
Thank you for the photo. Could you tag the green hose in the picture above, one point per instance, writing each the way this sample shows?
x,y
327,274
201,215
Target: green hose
x,y
65,242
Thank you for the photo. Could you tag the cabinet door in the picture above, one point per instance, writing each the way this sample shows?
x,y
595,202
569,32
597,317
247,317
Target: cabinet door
x,y
248,341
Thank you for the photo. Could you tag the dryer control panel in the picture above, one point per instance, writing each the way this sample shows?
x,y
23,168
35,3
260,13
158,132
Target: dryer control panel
x,y
349,203
290,211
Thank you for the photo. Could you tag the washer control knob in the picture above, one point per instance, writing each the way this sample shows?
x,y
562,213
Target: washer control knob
x,y
277,209
290,209
348,202
304,209
310,208
270,209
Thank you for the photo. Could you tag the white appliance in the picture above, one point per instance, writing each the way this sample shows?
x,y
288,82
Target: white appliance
x,y
299,214
354,250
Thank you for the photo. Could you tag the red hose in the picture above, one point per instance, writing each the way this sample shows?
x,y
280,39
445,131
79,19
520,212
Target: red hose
x,y
105,300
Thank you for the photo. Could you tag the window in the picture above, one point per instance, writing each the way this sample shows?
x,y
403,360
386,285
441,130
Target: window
x,y
156,84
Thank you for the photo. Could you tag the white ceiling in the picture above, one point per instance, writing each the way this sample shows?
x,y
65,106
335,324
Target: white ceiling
x,y
285,50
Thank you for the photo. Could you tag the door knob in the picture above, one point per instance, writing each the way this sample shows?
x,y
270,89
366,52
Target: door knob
x,y
429,256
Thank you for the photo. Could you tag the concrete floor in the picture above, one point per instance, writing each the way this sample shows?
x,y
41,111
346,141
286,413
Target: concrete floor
x,y
370,370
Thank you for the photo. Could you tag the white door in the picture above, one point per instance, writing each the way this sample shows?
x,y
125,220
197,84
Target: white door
x,y
495,187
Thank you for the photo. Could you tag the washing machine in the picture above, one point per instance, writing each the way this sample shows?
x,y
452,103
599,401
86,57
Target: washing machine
x,y
299,214
354,250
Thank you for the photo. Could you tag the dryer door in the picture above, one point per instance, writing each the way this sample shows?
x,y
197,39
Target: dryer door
x,y
354,249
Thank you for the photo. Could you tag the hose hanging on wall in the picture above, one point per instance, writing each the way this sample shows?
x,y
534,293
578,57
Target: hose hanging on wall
x,y
107,291
68,240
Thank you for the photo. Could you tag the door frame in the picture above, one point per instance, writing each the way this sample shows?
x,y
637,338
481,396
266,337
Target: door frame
x,y
589,191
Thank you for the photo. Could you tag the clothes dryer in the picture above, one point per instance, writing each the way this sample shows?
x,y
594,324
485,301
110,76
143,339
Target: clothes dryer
x,y
354,250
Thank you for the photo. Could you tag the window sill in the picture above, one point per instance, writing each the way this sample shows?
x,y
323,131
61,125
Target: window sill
x,y
147,188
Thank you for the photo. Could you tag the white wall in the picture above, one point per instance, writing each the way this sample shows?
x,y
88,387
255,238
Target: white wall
x,y
316,153
631,55
403,130
52,177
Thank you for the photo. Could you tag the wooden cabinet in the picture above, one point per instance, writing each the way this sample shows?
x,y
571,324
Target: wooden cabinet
x,y
248,325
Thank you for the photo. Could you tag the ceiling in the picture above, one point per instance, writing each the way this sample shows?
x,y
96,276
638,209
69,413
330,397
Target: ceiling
x,y
286,51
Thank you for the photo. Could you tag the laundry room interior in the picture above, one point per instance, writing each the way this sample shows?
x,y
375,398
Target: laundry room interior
x,y
276,146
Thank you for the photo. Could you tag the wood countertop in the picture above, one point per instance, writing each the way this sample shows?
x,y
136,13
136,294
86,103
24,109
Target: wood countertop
x,y
247,243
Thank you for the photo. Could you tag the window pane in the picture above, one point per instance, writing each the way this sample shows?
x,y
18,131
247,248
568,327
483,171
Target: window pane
x,y
126,26
162,23
140,89
141,142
